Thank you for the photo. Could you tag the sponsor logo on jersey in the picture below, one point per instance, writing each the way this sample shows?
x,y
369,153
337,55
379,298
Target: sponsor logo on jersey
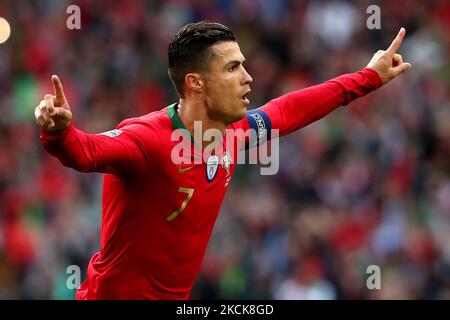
x,y
112,133
182,170
211,167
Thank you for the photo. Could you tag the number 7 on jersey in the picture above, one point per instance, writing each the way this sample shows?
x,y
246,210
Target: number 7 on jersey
x,y
190,192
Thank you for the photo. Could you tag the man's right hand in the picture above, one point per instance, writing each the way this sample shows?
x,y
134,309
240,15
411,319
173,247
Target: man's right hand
x,y
53,113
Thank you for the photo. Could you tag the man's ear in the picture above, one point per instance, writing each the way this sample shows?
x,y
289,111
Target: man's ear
x,y
194,82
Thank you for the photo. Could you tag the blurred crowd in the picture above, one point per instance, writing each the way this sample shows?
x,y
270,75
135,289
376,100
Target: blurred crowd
x,y
367,185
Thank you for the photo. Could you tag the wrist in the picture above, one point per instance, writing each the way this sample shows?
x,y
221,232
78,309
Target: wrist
x,y
56,134
374,76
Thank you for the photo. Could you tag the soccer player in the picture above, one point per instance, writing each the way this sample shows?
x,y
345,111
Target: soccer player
x,y
158,215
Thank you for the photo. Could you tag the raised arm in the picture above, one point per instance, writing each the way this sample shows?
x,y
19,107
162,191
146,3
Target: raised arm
x,y
117,151
300,108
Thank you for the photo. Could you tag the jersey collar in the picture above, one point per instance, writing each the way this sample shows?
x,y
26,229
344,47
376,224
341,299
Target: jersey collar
x,y
176,121
178,124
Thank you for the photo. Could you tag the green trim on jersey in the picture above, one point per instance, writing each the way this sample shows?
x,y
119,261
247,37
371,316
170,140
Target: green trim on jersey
x,y
176,121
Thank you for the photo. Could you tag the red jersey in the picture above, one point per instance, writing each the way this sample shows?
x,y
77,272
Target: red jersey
x,y
157,216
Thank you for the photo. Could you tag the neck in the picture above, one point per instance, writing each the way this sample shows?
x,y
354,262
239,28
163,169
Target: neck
x,y
191,111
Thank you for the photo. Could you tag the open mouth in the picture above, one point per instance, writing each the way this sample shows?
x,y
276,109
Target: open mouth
x,y
245,99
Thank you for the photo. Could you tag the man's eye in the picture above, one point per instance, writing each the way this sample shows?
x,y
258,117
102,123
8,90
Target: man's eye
x,y
231,69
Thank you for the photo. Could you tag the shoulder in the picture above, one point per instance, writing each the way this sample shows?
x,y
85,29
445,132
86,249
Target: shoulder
x,y
151,127
156,119
257,119
150,130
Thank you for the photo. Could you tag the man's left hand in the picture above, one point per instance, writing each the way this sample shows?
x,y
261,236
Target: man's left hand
x,y
389,64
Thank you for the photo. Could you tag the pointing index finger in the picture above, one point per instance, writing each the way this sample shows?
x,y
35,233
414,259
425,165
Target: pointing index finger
x,y
397,41
57,86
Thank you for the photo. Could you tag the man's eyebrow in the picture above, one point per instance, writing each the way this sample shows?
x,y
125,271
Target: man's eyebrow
x,y
235,62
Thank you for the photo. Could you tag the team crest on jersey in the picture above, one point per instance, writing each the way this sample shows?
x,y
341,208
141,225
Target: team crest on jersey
x,y
112,133
211,167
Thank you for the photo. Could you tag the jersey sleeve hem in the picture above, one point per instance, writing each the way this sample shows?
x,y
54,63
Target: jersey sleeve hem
x,y
56,135
373,76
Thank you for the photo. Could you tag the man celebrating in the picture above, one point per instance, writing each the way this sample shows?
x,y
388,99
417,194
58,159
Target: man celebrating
x,y
158,215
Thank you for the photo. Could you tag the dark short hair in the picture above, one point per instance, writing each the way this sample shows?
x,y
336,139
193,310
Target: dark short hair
x,y
190,50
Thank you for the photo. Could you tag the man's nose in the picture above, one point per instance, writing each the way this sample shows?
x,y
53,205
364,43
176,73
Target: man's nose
x,y
247,78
